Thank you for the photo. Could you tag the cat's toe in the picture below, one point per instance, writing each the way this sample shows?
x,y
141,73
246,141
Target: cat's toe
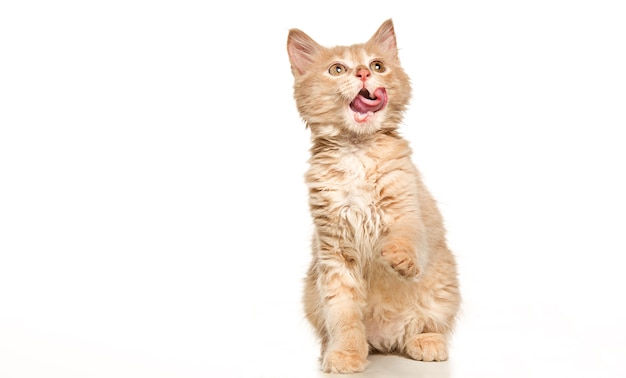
x,y
343,362
428,347
406,268
401,259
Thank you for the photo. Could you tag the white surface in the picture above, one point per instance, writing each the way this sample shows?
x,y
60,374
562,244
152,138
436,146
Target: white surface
x,y
153,215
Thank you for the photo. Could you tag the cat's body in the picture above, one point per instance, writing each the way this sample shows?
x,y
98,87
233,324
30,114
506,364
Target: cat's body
x,y
381,276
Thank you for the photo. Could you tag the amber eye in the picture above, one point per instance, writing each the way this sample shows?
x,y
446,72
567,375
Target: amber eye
x,y
337,69
377,66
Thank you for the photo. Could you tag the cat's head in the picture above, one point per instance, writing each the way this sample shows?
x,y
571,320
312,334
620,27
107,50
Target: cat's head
x,y
360,88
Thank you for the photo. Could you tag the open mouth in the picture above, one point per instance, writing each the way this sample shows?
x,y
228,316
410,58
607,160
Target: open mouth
x,y
365,104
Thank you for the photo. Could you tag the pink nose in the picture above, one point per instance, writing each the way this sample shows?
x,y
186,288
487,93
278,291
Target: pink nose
x,y
363,74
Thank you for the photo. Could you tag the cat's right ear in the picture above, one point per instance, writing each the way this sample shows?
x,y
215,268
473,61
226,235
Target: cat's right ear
x,y
302,50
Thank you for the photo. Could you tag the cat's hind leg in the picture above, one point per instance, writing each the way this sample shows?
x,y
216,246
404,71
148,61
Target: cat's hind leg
x,y
426,334
430,346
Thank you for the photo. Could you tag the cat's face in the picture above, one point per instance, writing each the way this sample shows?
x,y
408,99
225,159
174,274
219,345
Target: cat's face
x,y
360,88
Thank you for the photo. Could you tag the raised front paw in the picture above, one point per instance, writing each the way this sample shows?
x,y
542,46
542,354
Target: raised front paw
x,y
401,256
344,362
428,347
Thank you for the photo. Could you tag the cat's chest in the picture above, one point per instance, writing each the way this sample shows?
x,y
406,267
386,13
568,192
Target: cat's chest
x,y
356,178
349,184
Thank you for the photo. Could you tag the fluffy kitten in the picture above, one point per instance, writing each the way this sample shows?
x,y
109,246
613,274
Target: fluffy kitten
x,y
381,277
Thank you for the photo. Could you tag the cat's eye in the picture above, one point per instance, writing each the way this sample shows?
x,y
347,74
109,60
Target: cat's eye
x,y
377,66
337,69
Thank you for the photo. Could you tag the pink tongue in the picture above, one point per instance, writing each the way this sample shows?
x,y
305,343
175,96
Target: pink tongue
x,y
364,105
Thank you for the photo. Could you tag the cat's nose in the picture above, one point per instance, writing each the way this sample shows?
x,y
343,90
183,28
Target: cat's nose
x,y
363,73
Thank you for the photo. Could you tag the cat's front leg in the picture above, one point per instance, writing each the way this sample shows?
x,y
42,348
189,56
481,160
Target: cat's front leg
x,y
404,247
342,293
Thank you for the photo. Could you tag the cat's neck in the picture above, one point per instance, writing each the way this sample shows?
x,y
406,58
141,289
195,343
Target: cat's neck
x,y
331,135
349,141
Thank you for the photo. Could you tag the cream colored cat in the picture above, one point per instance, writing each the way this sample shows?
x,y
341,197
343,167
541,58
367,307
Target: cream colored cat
x,y
381,277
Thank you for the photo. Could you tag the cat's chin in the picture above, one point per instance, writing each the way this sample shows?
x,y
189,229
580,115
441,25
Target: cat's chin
x,y
364,123
363,118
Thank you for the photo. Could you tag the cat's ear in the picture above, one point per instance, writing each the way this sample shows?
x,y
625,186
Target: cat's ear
x,y
302,49
385,38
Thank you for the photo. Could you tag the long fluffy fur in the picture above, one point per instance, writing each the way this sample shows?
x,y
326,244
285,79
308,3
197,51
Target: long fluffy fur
x,y
381,277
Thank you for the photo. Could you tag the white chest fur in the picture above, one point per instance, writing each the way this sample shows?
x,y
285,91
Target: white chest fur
x,y
352,198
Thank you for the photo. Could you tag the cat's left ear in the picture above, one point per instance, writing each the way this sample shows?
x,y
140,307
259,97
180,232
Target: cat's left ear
x,y
302,50
385,38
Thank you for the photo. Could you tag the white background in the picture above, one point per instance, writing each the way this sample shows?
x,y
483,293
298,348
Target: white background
x,y
153,214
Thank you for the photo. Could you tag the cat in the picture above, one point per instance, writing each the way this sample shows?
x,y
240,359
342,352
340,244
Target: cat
x,y
382,278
